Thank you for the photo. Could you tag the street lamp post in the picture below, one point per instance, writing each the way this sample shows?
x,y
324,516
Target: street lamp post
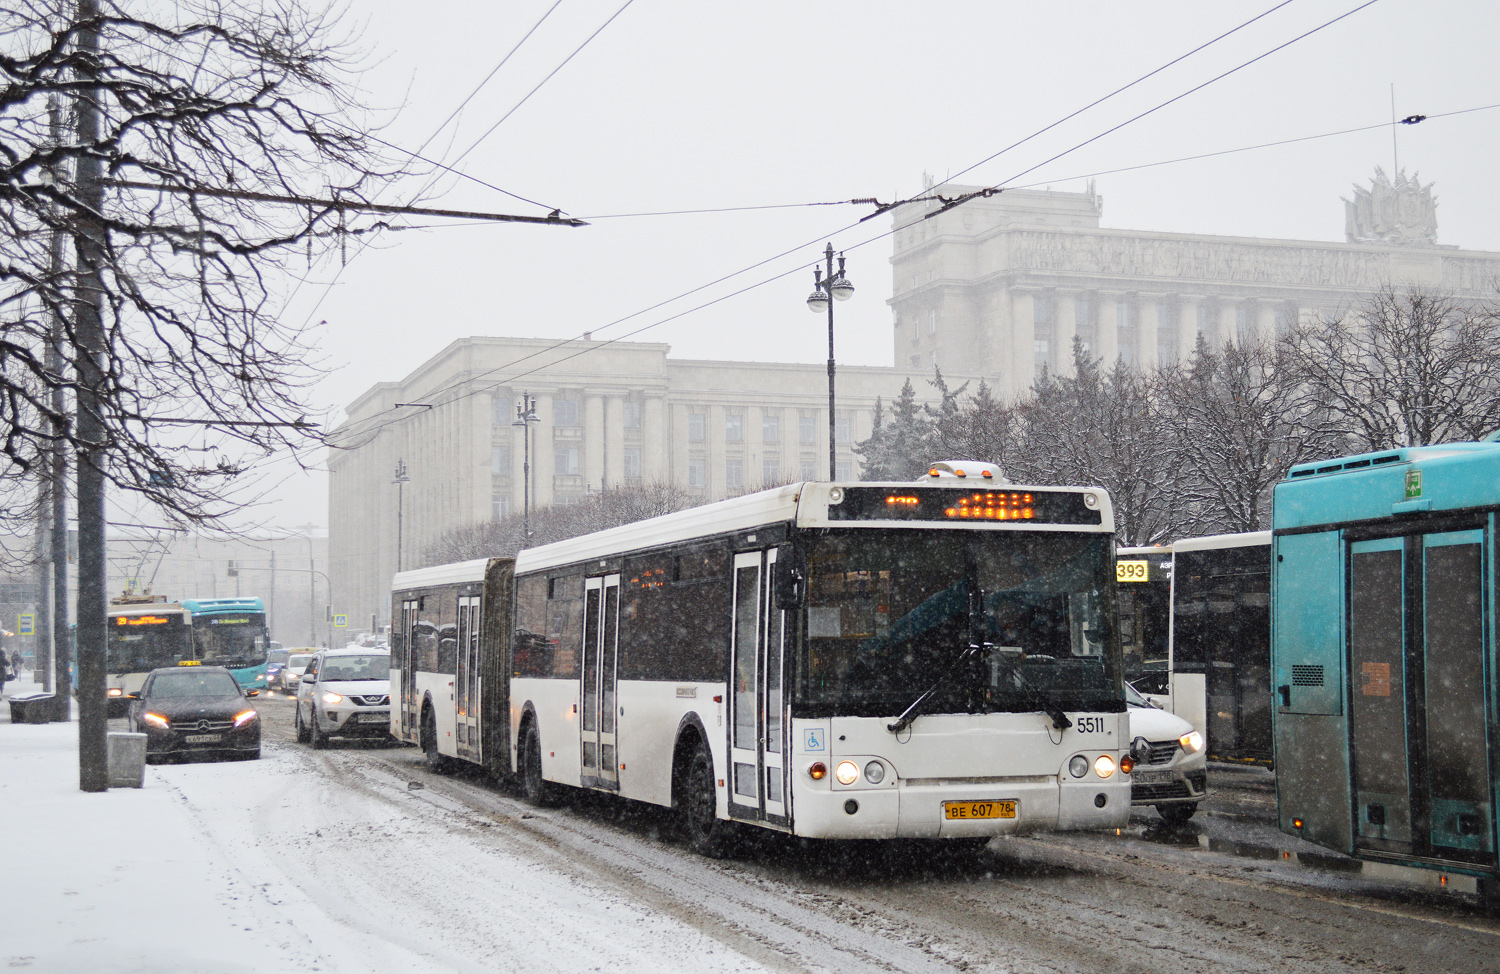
x,y
525,416
400,482
840,289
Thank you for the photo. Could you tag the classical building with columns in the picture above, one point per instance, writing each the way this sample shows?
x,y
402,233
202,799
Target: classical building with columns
x,y
621,412
1001,284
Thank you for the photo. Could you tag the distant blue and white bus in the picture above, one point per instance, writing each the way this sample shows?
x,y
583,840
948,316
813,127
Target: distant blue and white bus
x,y
232,633
1383,615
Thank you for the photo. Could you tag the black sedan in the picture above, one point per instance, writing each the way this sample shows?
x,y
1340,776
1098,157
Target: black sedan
x,y
195,709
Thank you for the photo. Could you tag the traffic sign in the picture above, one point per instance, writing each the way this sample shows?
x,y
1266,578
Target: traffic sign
x,y
341,620
26,624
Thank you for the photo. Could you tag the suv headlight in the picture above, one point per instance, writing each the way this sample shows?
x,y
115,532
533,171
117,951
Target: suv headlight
x,y
1192,742
332,698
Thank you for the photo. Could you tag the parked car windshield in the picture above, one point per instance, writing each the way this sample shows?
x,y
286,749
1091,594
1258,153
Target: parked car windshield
x,y
191,683
372,667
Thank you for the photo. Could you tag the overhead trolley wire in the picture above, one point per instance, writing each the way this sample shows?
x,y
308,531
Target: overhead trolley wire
x,y
381,424
998,187
364,244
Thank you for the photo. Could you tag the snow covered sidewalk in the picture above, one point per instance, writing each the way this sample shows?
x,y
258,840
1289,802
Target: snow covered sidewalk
x,y
302,861
118,881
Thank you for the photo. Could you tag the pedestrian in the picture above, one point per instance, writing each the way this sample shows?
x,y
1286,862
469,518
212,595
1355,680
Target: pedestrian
x,y
15,665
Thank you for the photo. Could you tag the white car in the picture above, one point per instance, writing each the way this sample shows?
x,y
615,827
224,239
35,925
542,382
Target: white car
x,y
344,693
1171,760
291,671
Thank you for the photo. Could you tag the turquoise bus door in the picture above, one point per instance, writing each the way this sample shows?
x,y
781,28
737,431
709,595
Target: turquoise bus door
x,y
1418,722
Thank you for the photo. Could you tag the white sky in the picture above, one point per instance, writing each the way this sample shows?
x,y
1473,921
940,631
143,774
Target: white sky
x,y
701,105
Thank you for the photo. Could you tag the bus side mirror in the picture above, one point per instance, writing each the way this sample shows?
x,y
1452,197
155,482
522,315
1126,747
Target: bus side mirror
x,y
790,584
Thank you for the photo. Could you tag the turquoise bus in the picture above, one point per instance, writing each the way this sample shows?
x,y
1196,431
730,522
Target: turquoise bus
x,y
232,633
1383,615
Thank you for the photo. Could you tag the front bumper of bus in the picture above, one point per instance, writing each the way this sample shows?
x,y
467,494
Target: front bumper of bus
x,y
951,788
920,809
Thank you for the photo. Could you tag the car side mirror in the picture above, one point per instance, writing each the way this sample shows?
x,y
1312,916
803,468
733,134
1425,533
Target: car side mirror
x,y
252,693
133,696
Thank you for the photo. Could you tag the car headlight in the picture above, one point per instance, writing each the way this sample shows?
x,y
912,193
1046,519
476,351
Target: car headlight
x,y
847,772
1104,766
114,692
332,698
244,717
155,720
1192,742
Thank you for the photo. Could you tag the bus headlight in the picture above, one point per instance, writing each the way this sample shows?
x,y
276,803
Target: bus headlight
x,y
1104,766
114,692
817,771
1192,742
874,772
847,772
1079,766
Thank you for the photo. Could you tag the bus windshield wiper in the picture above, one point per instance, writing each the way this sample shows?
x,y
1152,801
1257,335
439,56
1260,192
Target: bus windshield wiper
x,y
1030,693
910,713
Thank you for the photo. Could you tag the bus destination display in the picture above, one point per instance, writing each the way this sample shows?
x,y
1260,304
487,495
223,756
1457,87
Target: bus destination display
x,y
938,504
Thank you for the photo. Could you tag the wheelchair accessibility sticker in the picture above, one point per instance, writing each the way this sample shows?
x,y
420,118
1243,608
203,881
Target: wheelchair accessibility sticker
x,y
812,739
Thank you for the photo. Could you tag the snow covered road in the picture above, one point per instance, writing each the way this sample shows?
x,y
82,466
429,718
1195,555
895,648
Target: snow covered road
x,y
357,859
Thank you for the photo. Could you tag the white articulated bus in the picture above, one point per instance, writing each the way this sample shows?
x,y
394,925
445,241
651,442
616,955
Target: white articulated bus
x,y
837,661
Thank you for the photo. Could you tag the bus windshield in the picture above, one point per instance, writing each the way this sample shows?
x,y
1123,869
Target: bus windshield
x,y
890,613
141,644
235,641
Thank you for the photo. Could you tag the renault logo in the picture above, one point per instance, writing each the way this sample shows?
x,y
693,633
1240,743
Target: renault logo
x,y
1140,749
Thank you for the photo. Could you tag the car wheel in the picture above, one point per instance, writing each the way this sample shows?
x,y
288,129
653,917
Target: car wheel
x,y
535,789
315,735
437,762
302,733
1178,814
697,807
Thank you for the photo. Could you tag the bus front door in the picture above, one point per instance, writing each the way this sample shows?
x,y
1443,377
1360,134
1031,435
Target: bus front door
x,y
600,676
757,732
1419,741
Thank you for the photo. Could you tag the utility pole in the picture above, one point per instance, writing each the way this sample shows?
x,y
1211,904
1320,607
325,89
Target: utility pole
x,y
88,241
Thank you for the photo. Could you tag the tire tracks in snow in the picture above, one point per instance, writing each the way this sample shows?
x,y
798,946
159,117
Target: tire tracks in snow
x,y
724,900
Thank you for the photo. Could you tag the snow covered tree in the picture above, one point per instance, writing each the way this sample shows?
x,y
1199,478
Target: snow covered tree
x,y
148,136
1109,430
1408,367
1238,421
899,448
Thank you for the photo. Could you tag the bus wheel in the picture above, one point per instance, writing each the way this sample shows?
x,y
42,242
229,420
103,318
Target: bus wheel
x,y
436,762
1178,814
302,733
697,807
535,789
